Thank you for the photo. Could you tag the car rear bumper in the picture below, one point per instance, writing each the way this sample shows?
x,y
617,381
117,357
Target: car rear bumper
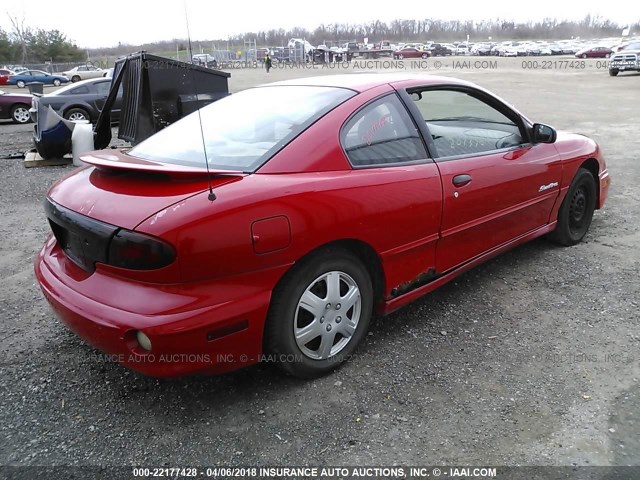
x,y
223,333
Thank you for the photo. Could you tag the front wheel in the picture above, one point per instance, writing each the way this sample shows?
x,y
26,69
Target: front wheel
x,y
20,114
425,55
576,211
319,314
400,57
20,83
613,73
76,115
56,82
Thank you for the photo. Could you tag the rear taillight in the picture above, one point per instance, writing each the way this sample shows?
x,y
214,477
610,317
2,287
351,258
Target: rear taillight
x,y
137,251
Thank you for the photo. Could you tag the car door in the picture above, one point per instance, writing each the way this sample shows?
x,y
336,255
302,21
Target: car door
x,y
100,90
103,88
496,185
38,76
403,188
28,76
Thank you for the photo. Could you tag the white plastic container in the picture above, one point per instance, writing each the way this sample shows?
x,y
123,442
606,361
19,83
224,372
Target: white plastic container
x,y
81,140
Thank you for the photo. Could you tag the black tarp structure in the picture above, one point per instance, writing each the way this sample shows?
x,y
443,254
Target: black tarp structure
x,y
157,92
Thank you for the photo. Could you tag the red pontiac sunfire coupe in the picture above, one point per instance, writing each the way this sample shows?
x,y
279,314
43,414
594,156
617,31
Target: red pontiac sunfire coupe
x,y
326,199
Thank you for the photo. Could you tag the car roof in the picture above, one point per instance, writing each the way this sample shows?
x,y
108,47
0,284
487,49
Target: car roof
x,y
361,82
64,90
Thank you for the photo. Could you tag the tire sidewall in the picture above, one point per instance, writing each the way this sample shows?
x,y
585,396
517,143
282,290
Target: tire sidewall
x,y
13,113
78,110
583,177
281,316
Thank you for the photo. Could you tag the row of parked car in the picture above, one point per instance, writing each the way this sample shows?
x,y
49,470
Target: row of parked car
x,y
602,49
82,100
21,77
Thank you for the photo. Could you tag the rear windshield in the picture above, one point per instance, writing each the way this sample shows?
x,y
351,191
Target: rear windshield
x,y
242,131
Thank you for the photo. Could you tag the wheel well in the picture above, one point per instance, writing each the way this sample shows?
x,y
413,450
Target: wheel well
x,y
369,258
16,105
593,167
363,252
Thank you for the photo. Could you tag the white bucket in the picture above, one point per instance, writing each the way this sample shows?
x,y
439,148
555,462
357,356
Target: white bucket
x,y
81,140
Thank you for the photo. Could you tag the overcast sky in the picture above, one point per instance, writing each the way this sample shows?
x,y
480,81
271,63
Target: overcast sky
x,y
105,23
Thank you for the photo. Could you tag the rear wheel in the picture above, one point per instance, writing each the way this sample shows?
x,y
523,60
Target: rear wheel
x,y
76,114
319,314
20,114
576,211
425,55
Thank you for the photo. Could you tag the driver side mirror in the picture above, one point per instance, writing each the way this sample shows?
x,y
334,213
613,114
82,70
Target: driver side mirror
x,y
543,133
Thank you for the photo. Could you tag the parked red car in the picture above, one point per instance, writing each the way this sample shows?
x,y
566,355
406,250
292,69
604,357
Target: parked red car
x,y
410,52
325,199
14,106
4,75
594,52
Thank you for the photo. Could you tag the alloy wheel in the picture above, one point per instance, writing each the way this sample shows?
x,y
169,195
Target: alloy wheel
x,y
327,315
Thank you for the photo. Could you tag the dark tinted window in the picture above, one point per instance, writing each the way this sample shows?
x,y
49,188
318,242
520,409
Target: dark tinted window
x,y
382,133
80,90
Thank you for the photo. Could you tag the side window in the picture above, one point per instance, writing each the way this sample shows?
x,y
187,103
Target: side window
x,y
80,90
382,133
461,124
103,88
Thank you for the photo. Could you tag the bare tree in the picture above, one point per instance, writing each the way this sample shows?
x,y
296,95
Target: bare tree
x,y
21,34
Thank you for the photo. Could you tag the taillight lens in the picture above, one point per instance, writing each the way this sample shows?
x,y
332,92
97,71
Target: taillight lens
x,y
137,251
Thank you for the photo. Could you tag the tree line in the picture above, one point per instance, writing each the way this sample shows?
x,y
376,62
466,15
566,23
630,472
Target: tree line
x,y
444,31
24,45
418,30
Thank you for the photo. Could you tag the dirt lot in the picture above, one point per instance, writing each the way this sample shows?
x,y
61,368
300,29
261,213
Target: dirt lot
x,y
531,359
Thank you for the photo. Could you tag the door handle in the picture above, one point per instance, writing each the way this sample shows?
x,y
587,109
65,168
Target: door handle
x,y
461,180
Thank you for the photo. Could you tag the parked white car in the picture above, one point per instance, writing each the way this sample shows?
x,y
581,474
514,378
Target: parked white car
x,y
83,72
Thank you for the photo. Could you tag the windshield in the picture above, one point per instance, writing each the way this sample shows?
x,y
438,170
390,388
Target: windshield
x,y
243,130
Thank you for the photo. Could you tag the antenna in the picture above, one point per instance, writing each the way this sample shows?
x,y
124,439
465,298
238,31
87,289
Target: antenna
x,y
212,196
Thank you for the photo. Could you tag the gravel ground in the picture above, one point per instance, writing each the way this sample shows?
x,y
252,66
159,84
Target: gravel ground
x,y
530,359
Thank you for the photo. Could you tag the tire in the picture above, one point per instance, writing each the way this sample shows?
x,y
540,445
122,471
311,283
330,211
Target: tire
x,y
400,57
20,83
334,330
75,78
425,55
56,82
576,211
20,113
607,55
613,73
77,114
584,55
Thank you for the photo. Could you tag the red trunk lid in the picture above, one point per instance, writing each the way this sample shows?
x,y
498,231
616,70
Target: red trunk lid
x,y
124,191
